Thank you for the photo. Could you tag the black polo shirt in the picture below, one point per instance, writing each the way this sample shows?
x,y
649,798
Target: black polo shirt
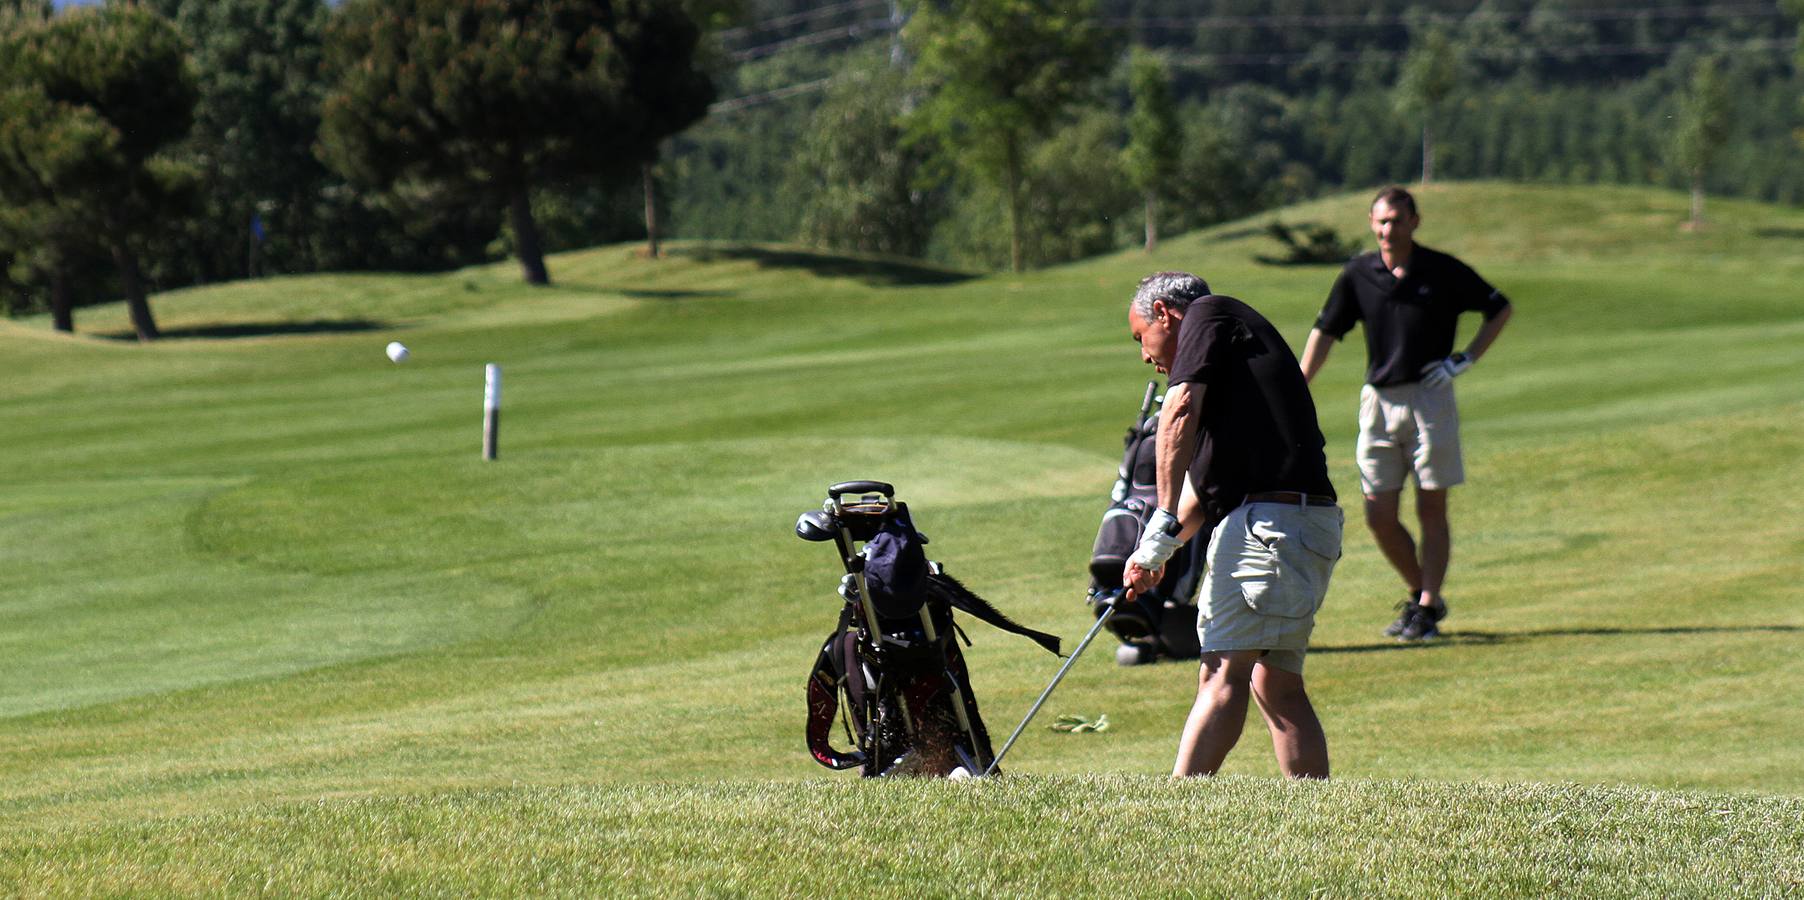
x,y
1410,322
1258,430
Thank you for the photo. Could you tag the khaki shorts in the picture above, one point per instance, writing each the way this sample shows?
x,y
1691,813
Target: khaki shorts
x,y
1269,565
1408,428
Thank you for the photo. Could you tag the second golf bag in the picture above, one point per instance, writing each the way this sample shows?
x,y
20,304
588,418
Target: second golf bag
x,y
894,658
1161,624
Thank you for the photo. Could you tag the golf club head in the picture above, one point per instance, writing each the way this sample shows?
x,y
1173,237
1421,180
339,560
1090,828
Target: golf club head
x,y
816,525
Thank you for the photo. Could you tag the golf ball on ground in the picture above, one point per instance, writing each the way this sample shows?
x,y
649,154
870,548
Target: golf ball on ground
x,y
397,351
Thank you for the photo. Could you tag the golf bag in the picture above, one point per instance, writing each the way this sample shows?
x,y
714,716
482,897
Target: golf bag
x,y
1161,624
908,707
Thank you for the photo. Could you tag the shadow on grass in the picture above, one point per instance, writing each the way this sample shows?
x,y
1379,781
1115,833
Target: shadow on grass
x,y
1465,638
1237,233
258,329
1780,232
1297,263
642,294
872,270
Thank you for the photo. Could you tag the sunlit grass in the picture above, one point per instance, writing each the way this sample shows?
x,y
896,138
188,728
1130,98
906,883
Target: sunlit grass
x,y
272,624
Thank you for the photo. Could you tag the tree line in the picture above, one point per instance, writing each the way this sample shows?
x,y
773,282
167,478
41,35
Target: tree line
x,y
160,143
174,142
1207,110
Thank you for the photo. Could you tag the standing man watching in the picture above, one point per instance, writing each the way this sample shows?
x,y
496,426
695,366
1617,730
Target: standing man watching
x,y
1240,454
1410,298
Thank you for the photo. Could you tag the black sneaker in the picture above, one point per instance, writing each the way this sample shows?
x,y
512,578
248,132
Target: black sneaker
x,y
1421,625
1396,628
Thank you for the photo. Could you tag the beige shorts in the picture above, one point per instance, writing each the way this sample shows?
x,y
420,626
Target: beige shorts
x,y
1269,565
1408,428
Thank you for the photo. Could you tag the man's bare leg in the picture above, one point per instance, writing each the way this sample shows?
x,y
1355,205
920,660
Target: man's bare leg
x,y
1437,543
1297,738
1220,712
1393,539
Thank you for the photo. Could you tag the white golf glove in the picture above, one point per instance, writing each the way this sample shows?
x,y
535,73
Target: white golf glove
x,y
1158,542
1436,374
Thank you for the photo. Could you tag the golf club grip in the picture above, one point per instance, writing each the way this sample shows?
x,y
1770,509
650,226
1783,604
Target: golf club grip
x,y
1146,403
862,487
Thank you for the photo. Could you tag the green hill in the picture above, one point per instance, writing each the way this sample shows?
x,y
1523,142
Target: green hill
x,y
271,617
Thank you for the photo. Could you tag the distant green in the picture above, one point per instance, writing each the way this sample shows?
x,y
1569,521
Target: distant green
x,y
272,625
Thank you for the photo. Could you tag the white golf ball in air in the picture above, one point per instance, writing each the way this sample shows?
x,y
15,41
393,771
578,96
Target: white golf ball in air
x,y
397,351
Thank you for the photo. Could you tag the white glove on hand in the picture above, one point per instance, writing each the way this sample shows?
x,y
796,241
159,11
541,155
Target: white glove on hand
x,y
1158,542
1436,374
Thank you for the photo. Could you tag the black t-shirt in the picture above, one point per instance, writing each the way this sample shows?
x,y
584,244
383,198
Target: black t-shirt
x,y
1410,322
1258,430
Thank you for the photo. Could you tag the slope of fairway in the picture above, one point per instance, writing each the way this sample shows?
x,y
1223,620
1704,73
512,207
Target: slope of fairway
x,y
261,592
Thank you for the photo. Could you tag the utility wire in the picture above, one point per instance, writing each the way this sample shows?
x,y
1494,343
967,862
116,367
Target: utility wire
x,y
750,100
885,25
854,30
728,34
881,26
1283,59
1765,10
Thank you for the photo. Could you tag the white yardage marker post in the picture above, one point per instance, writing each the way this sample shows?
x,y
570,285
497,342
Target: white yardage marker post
x,y
491,410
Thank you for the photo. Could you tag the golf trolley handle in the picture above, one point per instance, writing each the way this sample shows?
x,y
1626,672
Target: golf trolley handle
x,y
862,487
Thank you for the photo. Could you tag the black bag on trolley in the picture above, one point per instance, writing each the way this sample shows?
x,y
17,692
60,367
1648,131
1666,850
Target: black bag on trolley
x,y
895,658
1161,624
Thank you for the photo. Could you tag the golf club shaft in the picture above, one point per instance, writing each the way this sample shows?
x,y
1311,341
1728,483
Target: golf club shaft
x,y
1146,403
1094,629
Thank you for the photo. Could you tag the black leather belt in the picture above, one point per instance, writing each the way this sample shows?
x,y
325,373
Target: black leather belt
x,y
1292,498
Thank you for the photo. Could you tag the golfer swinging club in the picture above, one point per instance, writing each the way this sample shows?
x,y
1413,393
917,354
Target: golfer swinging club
x,y
1240,453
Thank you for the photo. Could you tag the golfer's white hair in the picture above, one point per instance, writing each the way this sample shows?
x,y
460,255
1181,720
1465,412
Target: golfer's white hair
x,y
1175,289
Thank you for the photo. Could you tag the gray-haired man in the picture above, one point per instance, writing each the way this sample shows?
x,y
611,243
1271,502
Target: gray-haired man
x,y
1240,455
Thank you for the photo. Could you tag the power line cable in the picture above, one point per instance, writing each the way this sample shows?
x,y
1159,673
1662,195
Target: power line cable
x,y
1764,11
759,99
728,34
881,26
854,30
1349,56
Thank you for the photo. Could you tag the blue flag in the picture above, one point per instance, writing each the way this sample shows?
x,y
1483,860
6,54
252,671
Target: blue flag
x,y
257,226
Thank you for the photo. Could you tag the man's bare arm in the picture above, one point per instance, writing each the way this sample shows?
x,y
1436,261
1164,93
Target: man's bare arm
x,y
1190,511
1487,333
1176,447
1315,352
1177,441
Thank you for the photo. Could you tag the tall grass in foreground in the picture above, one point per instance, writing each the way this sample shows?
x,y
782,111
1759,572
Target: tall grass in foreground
x,y
1082,836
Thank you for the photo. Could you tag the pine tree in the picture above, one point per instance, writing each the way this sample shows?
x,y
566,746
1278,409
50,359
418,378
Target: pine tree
x,y
258,68
500,96
93,97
